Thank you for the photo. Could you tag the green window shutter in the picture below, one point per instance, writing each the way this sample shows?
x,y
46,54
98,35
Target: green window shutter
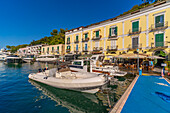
x,y
77,38
52,48
159,40
68,39
97,33
86,35
43,49
159,21
48,49
58,48
116,30
110,32
135,26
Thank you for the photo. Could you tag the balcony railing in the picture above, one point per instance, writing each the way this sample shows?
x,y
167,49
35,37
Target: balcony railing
x,y
135,31
76,50
85,49
160,44
159,26
112,48
97,49
96,38
134,46
76,41
85,40
113,36
68,42
68,50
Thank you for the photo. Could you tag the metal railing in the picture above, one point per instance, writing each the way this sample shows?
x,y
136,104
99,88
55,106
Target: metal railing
x,y
97,38
85,49
76,50
67,50
158,26
135,31
113,36
76,41
85,39
97,48
68,42
160,44
135,46
112,48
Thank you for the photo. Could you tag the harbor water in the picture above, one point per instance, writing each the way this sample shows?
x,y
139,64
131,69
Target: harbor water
x,y
18,94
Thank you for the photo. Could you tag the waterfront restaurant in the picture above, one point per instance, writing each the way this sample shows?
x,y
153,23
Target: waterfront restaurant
x,y
146,29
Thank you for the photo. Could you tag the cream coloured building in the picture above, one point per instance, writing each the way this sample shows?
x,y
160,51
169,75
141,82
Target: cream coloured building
x,y
58,49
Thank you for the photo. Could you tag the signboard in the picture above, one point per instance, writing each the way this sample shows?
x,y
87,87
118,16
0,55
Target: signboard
x,y
163,64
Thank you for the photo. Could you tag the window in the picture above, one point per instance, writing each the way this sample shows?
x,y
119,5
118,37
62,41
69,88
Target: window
x,y
77,47
113,31
52,48
159,40
159,21
77,38
86,36
77,63
135,26
68,40
97,34
135,43
113,44
58,48
85,46
68,47
48,49
97,44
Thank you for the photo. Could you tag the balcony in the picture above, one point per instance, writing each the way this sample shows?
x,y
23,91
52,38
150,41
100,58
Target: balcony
x,y
114,36
134,47
135,31
68,42
85,49
158,26
76,41
85,40
68,50
112,48
160,44
96,38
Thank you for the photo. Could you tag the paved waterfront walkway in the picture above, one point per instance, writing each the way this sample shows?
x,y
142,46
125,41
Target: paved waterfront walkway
x,y
151,94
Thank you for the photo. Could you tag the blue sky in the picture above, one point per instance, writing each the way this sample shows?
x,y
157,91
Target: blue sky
x,y
22,21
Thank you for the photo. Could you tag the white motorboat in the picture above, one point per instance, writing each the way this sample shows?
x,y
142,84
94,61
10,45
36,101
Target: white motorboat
x,y
13,59
46,58
3,57
90,66
28,58
65,79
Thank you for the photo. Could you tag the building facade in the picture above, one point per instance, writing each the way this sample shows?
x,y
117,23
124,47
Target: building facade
x,y
53,49
146,30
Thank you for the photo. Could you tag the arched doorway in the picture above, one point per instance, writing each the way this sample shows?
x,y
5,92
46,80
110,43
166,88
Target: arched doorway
x,y
159,53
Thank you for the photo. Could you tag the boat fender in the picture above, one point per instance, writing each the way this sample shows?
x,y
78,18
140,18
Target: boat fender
x,y
45,77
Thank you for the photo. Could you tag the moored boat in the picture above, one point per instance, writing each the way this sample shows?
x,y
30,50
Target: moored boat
x,y
46,58
14,59
65,79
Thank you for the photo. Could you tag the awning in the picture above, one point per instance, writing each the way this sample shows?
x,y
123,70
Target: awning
x,y
155,57
131,56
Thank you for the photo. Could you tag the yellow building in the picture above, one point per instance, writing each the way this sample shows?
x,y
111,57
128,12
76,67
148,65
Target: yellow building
x,y
53,49
146,29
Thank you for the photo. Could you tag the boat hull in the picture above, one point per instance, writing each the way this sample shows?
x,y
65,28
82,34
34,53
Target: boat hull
x,y
88,85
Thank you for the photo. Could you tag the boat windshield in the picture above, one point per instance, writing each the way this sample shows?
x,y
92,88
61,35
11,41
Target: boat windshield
x,y
101,58
77,63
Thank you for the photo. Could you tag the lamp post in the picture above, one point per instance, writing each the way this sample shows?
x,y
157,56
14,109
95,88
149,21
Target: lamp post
x,y
138,59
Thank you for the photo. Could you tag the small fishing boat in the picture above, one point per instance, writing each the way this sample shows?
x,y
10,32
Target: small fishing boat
x,y
14,59
46,58
65,79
